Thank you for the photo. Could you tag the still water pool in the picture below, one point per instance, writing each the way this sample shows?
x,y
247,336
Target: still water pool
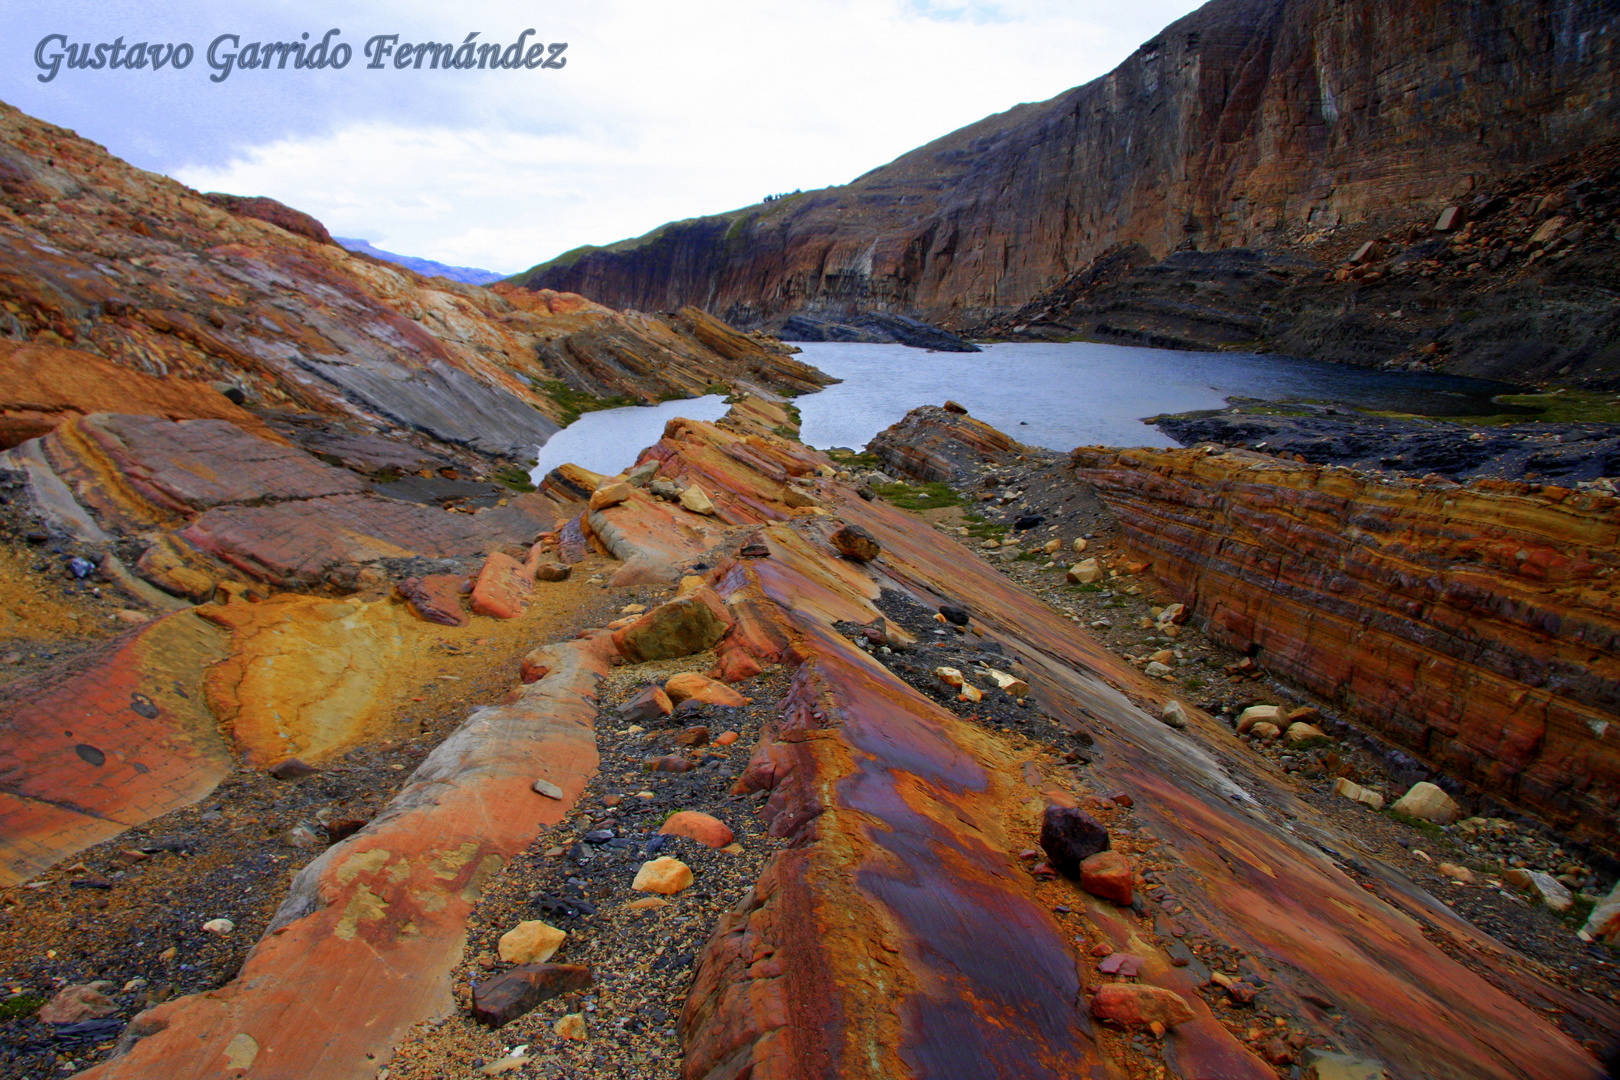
x,y
1058,396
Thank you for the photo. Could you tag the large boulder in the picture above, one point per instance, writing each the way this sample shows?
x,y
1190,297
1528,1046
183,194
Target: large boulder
x,y
1424,800
683,626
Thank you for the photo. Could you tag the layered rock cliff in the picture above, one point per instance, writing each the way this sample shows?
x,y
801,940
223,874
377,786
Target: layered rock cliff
x,y
1473,626
123,267
1246,124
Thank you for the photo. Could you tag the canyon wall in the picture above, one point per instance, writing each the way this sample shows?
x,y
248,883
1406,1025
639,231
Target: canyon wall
x,y
1473,626
1242,124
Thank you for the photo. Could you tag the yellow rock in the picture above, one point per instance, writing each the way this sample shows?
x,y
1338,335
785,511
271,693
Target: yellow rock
x,y
531,942
1084,572
697,500
571,1027
647,903
949,676
1079,545
662,875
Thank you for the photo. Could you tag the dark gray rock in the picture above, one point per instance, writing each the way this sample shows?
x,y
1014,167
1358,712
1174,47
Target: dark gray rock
x,y
1069,836
876,327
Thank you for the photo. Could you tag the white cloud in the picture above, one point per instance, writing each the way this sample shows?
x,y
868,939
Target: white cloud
x,y
664,110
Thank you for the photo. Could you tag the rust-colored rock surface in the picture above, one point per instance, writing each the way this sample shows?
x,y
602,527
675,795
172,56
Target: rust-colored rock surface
x,y
113,741
362,948
1470,625
1245,120
503,587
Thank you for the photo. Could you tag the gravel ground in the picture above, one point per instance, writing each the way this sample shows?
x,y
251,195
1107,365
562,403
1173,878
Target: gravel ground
x,y
641,961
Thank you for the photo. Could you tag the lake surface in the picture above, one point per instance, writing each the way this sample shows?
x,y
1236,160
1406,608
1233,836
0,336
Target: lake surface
x,y
1054,395
1077,394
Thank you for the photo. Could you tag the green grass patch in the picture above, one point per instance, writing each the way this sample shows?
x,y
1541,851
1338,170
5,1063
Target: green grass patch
x,y
1422,825
930,496
575,403
674,395
982,529
719,388
1033,556
1092,587
20,1006
786,432
854,460
1193,682
514,477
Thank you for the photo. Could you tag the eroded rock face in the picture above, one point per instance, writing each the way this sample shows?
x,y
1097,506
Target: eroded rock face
x,y
1267,116
934,444
1461,623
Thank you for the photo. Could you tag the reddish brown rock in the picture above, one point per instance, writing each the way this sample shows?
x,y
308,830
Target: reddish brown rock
x,y
940,444
706,830
1455,621
518,991
690,686
503,587
436,598
651,703
1107,874
73,1004
1136,1005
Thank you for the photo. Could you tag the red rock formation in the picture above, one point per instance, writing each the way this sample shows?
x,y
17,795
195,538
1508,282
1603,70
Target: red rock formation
x,y
1473,626
1241,121
107,744
276,213
931,443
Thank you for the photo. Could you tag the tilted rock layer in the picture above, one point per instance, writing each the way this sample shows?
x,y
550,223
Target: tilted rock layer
x,y
1242,121
1474,626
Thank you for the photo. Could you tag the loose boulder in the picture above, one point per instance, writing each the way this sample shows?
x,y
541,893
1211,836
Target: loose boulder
x,y
513,993
436,598
1256,714
532,942
1084,572
706,830
697,500
650,704
1428,802
74,1004
1107,874
503,587
664,875
1135,1005
1353,791
1069,836
610,495
854,542
690,686
683,626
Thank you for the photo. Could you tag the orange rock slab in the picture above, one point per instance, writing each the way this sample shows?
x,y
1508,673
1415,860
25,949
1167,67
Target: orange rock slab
x,y
110,743
363,947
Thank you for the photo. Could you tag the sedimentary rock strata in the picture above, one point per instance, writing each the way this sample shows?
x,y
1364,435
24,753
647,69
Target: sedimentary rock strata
x,y
939,444
1249,124
1473,625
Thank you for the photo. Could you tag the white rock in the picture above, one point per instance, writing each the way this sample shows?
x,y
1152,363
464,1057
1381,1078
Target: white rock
x,y
218,926
1549,890
1428,802
1156,670
1356,793
1010,684
1604,921
548,789
1174,714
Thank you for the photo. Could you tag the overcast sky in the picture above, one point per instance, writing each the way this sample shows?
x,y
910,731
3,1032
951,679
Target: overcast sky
x,y
664,110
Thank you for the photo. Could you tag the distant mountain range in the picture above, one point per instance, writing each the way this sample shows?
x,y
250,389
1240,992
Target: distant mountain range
x,y
470,274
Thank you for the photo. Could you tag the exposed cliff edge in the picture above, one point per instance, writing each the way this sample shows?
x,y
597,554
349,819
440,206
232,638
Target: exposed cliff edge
x,y
1247,124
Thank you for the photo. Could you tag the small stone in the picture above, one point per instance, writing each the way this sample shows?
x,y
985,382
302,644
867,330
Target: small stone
x,y
706,830
1136,1005
531,942
726,738
292,769
1173,614
551,571
1549,891
74,1004
1079,545
1163,656
1157,670
856,543
1174,714
632,609
1353,791
1121,964
572,1026
697,500
1107,874
643,474
1457,873
1008,684
547,788
650,704
647,903
219,927
970,694
513,993
1266,731
950,677
671,763
1425,800
692,736
664,875
733,849
1299,731
131,616
1069,836
1084,572
958,616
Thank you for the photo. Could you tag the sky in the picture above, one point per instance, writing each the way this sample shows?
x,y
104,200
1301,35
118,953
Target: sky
x,y
662,110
